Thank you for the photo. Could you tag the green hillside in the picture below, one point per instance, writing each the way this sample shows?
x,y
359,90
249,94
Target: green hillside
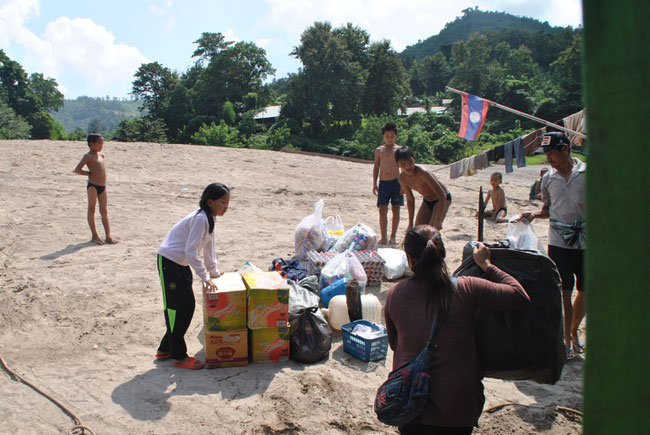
x,y
103,113
540,37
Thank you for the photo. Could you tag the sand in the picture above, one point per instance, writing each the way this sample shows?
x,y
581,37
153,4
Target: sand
x,y
82,322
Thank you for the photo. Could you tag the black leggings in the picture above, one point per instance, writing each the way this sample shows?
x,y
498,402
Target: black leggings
x,y
178,303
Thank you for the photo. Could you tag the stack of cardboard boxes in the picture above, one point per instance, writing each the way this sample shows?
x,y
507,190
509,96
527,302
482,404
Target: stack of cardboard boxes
x,y
268,316
259,300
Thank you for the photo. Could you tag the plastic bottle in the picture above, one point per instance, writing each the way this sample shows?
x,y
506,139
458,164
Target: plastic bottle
x,y
337,314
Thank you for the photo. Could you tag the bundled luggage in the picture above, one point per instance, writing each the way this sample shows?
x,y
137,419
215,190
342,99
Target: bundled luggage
x,y
527,343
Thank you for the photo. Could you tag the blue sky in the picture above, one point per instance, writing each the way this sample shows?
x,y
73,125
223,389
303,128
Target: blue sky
x,y
94,47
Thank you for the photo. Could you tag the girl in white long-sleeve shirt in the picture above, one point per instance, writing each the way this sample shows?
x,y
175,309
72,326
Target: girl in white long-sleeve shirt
x,y
181,248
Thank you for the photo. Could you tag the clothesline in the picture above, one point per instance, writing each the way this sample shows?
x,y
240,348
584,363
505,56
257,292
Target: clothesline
x,y
529,143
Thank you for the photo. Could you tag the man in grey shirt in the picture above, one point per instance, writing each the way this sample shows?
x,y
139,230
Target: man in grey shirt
x,y
563,195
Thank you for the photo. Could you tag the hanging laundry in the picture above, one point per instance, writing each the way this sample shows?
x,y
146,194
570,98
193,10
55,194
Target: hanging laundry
x,y
508,152
499,153
520,156
455,169
532,141
482,160
576,122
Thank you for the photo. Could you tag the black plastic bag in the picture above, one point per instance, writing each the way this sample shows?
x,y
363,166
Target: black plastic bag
x,y
527,343
311,337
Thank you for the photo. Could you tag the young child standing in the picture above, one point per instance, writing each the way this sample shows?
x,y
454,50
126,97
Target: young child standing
x,y
436,199
498,196
389,189
178,251
96,187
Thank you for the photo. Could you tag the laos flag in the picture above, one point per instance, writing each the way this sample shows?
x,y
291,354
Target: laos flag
x,y
474,112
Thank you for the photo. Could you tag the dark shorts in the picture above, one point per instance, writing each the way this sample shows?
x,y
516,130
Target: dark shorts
x,y
388,191
432,203
98,188
569,262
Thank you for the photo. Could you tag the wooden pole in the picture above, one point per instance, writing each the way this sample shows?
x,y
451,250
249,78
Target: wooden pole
x,y
481,208
524,114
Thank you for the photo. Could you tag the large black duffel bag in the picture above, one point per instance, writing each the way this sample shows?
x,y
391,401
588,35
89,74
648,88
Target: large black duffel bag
x,y
528,343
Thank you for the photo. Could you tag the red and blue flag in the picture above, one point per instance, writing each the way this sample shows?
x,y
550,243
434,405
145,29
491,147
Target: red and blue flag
x,y
474,112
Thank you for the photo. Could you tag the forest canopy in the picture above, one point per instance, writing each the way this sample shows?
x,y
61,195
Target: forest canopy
x,y
346,87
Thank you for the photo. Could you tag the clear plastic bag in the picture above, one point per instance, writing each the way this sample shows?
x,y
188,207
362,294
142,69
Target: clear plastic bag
x,y
521,235
310,233
358,238
343,265
334,230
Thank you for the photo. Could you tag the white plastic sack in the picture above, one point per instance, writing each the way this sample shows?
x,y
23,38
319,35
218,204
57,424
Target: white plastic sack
x,y
343,265
358,238
396,265
521,235
310,233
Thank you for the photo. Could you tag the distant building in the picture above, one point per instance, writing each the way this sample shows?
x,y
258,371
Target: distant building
x,y
411,110
268,115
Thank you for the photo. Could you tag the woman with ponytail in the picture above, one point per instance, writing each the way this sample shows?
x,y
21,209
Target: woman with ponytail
x,y
180,250
456,393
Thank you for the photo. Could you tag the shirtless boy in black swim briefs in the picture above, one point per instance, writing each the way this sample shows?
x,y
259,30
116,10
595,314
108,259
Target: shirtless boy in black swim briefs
x,y
96,187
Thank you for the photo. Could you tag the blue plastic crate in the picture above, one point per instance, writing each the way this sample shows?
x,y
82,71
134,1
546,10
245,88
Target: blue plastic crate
x,y
365,349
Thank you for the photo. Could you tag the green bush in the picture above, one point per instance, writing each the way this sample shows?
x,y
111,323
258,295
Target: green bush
x,y
278,137
12,126
220,135
141,130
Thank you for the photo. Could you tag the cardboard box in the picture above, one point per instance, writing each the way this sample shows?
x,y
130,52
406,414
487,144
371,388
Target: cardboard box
x,y
225,309
268,300
226,348
269,345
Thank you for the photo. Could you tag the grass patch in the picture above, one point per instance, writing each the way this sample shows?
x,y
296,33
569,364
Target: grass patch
x,y
536,159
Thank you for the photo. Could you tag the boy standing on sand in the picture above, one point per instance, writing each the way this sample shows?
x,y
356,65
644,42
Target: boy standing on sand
x,y
436,199
96,187
389,189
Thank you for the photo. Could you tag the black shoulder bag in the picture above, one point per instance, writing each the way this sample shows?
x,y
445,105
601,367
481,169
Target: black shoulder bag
x,y
403,395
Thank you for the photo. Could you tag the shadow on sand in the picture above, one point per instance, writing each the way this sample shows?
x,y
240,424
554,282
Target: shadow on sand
x,y
70,249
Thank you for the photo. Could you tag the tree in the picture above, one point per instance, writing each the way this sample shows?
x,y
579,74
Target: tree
x,y
45,92
329,88
141,130
230,75
154,84
387,83
470,60
430,75
209,45
12,126
568,74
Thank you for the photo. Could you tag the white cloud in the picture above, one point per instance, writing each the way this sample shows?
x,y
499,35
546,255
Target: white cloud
x,y
264,43
13,16
229,35
71,50
160,10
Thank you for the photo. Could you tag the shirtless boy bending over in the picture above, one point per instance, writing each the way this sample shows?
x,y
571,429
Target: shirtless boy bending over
x,y
436,199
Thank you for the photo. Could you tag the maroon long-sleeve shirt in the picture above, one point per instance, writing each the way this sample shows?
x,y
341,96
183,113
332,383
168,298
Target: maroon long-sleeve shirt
x,y
456,393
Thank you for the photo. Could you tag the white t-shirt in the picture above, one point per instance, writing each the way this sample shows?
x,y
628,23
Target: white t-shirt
x,y
567,199
186,239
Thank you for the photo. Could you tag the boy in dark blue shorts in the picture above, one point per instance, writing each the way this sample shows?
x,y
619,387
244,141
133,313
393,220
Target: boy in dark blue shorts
x,y
389,189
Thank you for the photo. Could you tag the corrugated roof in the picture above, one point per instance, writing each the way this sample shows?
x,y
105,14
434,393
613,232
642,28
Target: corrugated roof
x,y
269,112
